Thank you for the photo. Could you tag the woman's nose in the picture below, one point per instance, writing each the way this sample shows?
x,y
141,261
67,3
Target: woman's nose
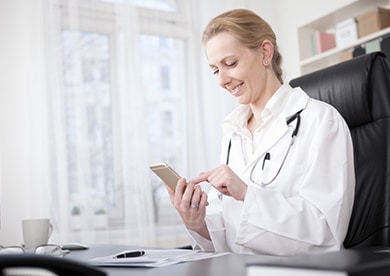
x,y
224,78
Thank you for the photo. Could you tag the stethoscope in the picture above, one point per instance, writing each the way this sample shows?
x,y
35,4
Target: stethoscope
x,y
267,155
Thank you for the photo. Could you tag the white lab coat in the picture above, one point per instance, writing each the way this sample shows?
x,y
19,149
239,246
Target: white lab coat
x,y
306,209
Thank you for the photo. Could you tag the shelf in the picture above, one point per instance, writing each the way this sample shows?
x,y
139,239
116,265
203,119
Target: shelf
x,y
327,23
352,10
329,56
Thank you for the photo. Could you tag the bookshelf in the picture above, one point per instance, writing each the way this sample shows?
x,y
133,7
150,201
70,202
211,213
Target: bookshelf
x,y
327,23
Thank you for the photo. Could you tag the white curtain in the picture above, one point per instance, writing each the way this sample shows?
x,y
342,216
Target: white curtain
x,y
108,98
123,86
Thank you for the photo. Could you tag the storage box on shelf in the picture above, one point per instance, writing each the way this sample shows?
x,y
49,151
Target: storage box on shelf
x,y
373,21
346,32
346,55
344,24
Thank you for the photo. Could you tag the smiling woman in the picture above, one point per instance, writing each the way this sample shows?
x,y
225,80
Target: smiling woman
x,y
297,183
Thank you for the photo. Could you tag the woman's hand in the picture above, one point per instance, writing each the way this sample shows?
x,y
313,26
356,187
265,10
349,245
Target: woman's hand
x,y
225,181
190,202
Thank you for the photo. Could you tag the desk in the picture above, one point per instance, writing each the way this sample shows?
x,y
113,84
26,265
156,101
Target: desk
x,y
227,265
377,259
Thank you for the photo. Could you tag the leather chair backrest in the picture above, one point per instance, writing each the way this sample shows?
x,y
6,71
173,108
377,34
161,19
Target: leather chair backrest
x,y
27,264
360,90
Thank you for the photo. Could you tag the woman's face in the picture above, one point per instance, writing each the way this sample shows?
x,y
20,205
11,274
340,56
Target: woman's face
x,y
239,69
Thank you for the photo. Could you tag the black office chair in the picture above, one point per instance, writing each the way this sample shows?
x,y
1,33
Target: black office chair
x,y
360,90
27,264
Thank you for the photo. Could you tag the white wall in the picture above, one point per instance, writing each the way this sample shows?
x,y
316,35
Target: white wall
x,y
12,120
22,88
292,15
285,17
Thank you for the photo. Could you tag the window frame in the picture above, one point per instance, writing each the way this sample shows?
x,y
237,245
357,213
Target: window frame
x,y
95,16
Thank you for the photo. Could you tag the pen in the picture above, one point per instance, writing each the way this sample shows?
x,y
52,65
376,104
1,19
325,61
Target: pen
x,y
130,254
266,157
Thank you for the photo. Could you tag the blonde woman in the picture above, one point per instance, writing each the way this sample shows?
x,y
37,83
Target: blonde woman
x,y
286,182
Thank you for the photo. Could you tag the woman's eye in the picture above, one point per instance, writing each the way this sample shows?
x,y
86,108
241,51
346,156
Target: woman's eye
x,y
227,64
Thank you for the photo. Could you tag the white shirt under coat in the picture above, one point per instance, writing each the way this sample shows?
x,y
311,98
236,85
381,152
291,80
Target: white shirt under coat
x,y
307,208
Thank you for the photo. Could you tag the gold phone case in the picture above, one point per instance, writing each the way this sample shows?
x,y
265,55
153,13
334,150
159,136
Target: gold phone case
x,y
166,174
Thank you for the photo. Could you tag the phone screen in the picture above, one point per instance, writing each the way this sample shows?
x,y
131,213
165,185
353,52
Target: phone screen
x,y
166,174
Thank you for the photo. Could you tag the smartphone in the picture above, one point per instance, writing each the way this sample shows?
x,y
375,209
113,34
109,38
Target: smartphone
x,y
166,174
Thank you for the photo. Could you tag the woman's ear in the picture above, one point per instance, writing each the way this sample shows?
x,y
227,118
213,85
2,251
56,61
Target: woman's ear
x,y
268,51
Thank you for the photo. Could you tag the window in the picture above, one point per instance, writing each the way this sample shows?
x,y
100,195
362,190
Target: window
x,y
164,5
165,78
88,119
123,90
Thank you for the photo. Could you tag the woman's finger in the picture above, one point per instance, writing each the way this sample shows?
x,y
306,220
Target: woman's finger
x,y
196,197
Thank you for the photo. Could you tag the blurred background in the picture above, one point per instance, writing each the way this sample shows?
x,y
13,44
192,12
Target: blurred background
x,y
93,91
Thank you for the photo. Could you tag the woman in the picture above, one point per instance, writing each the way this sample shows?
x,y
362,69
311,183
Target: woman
x,y
287,183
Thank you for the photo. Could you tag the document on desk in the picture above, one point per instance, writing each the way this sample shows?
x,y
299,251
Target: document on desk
x,y
153,257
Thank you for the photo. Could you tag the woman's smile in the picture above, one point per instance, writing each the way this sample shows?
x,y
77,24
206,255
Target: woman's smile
x,y
234,91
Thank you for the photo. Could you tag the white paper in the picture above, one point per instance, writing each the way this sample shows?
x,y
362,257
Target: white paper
x,y
155,258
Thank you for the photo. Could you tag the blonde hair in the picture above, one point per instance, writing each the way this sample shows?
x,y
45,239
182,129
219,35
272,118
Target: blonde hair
x,y
249,28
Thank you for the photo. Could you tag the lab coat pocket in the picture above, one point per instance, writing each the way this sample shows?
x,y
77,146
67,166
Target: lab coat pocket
x,y
270,170
278,173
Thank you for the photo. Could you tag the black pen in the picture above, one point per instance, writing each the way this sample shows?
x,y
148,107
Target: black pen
x,y
130,254
266,157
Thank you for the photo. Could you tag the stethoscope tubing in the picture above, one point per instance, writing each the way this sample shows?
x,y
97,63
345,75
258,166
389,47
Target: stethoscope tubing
x,y
296,116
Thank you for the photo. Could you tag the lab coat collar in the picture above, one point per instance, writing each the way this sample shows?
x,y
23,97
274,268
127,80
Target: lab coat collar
x,y
293,100
285,102
297,100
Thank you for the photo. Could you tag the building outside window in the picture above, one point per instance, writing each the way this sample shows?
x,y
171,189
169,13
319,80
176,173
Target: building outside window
x,y
122,91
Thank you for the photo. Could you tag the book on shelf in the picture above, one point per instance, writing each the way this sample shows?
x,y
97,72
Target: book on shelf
x,y
324,41
350,262
373,46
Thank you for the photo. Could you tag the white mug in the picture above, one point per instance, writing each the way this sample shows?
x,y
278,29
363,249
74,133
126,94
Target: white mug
x,y
36,232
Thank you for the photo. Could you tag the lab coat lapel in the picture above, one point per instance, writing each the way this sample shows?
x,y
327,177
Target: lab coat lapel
x,y
297,101
274,134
